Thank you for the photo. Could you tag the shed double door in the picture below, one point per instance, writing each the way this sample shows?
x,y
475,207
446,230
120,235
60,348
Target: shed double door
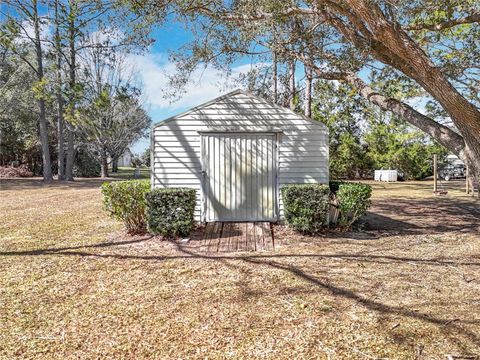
x,y
239,176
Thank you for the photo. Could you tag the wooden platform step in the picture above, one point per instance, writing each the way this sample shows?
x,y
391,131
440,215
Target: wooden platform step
x,y
235,236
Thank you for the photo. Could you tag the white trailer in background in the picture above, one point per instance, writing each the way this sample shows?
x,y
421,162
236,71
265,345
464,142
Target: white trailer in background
x,y
386,175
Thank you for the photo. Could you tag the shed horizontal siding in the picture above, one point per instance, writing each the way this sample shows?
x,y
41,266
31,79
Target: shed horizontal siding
x,y
302,146
240,125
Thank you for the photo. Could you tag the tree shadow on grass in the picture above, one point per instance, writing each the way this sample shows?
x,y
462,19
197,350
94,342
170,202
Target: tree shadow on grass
x,y
188,253
423,216
450,325
61,250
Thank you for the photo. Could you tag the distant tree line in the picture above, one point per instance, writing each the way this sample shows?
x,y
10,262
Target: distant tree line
x,y
363,138
69,100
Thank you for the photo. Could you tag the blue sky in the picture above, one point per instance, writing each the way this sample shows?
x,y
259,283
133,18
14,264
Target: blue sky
x,y
154,66
205,84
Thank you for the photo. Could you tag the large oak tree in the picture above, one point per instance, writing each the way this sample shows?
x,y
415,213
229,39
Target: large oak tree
x,y
428,46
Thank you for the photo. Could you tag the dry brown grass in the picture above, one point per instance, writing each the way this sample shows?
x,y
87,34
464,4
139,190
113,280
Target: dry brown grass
x,y
72,285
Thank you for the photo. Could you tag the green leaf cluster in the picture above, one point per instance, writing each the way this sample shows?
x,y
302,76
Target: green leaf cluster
x,y
363,139
392,144
338,107
85,164
306,206
353,201
125,201
170,211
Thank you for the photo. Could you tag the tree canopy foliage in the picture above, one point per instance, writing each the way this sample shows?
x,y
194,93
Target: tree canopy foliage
x,y
45,46
363,138
388,51
385,53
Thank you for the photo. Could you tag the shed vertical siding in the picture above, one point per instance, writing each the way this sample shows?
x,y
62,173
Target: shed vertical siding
x,y
239,176
176,149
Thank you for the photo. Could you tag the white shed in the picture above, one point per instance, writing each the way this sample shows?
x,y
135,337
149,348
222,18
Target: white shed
x,y
237,151
125,159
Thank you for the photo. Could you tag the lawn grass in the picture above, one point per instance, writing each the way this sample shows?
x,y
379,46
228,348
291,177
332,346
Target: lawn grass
x,y
417,189
74,285
128,172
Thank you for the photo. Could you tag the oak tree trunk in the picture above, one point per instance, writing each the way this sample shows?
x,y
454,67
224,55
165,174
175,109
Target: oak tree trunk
x,y
275,78
70,155
392,45
471,155
291,78
61,142
103,164
46,161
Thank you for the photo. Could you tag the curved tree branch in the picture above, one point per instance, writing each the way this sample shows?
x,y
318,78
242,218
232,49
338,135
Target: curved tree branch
x,y
441,133
444,135
447,24
258,15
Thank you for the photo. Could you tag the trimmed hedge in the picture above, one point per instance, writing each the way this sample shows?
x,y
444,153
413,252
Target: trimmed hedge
x,y
353,200
125,201
170,211
306,206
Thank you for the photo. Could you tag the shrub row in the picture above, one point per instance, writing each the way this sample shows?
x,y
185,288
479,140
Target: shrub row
x,y
125,201
168,212
353,201
307,207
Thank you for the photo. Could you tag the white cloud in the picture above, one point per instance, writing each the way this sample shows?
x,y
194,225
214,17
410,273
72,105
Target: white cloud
x,y
205,83
27,32
113,35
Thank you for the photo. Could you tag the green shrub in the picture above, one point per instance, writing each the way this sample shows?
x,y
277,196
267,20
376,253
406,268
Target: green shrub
x,y
306,206
353,201
170,211
125,201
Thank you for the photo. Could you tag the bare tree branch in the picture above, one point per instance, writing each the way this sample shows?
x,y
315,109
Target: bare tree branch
x,y
447,24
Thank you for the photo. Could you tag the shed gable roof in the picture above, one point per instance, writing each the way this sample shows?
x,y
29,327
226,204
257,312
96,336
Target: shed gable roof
x,y
232,94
